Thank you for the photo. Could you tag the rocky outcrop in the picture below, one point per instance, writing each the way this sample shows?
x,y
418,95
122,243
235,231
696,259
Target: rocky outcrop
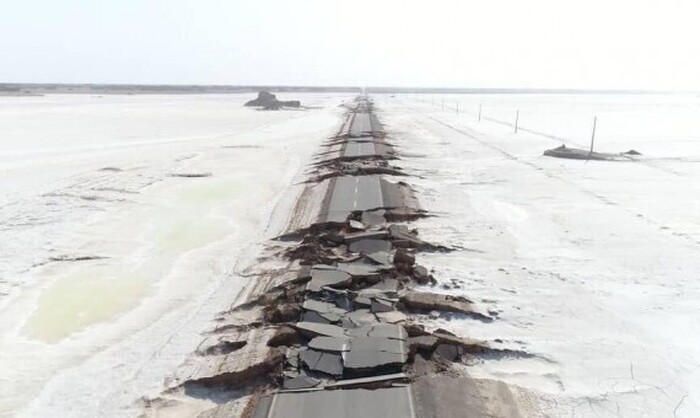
x,y
269,101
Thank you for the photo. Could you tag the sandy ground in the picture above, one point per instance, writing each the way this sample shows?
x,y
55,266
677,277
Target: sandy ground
x,y
592,267
111,265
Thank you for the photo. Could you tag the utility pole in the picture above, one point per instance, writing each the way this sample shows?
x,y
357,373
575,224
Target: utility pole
x,y
595,122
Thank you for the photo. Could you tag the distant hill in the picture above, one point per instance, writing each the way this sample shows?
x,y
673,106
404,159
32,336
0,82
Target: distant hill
x,y
29,88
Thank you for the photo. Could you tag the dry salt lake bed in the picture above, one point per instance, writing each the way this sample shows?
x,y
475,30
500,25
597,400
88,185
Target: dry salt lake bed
x,y
129,221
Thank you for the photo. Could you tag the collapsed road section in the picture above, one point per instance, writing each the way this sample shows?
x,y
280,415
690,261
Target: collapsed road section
x,y
341,331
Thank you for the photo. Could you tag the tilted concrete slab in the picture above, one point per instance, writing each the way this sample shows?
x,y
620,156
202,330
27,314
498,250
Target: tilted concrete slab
x,y
368,354
330,344
332,277
324,362
381,330
359,269
316,329
382,258
366,235
389,286
300,382
378,344
322,307
312,316
388,331
379,306
365,362
362,317
368,246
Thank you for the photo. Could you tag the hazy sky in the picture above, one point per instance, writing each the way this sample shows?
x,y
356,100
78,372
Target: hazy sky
x,y
649,44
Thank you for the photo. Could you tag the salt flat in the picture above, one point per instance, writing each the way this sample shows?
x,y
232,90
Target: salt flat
x,y
592,267
112,263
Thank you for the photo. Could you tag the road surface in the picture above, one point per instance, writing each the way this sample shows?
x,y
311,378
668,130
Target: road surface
x,y
361,125
353,193
357,149
396,402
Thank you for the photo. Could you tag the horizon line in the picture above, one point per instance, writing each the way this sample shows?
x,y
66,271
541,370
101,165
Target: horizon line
x,y
182,88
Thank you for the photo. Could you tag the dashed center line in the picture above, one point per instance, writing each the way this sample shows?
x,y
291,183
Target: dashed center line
x,y
357,188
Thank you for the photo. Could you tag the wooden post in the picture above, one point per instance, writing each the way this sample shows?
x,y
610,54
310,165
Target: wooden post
x,y
479,112
517,116
457,108
443,103
595,122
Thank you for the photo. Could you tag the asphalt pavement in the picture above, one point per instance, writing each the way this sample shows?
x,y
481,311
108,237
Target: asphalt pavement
x,y
395,402
361,124
352,193
359,149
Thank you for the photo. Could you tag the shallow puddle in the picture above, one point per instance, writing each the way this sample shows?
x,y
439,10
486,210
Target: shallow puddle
x,y
85,296
88,293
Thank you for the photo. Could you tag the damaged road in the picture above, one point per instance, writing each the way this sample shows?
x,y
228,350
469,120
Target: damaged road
x,y
337,334
354,328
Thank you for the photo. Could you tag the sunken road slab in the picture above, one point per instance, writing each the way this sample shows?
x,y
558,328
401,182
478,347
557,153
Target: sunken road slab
x,y
353,193
359,149
364,194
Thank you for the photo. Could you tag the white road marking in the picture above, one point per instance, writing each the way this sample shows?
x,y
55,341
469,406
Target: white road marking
x,y
409,389
357,185
372,148
270,412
